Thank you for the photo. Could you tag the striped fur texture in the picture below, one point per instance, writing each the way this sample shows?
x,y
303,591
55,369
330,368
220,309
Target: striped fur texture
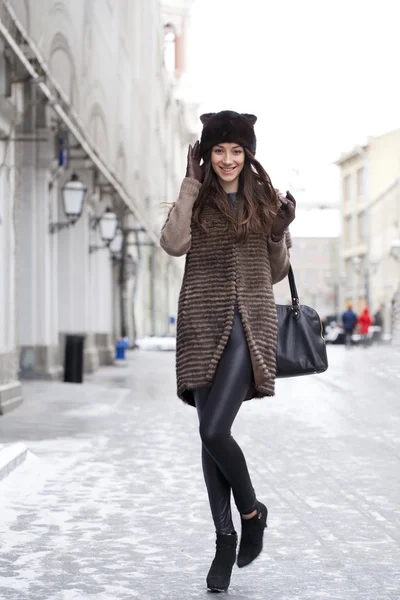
x,y
218,270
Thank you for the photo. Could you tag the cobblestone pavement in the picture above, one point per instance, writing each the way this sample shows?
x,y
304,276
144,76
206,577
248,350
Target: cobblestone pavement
x,y
111,505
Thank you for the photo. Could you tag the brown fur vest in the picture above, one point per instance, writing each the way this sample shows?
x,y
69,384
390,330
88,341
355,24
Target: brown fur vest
x,y
218,270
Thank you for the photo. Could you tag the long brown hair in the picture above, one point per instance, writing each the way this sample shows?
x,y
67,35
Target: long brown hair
x,y
257,199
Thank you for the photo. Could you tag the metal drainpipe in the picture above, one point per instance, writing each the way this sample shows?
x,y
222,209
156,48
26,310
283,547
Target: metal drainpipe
x,y
122,289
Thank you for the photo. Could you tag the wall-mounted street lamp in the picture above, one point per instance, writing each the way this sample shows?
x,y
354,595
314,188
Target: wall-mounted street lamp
x,y
108,224
73,195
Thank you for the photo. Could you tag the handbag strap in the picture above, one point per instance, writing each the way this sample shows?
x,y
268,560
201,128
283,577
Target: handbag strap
x,y
293,290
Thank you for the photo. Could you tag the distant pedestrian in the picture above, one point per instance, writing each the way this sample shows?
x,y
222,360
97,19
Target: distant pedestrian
x,y
232,224
349,320
364,322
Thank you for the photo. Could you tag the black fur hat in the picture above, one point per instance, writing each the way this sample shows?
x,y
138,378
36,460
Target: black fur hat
x,y
227,126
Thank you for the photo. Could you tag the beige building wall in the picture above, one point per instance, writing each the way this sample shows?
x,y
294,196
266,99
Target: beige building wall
x,y
370,265
384,258
353,243
384,160
384,203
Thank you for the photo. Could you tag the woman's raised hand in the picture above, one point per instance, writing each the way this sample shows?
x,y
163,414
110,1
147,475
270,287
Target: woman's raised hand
x,y
286,214
193,169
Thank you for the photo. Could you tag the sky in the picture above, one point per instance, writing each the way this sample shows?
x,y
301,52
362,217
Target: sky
x,y
321,76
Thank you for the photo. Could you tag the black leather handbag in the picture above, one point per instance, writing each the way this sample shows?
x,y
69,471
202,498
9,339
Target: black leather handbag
x,y
301,346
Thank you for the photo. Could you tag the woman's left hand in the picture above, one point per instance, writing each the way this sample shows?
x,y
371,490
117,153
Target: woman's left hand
x,y
286,214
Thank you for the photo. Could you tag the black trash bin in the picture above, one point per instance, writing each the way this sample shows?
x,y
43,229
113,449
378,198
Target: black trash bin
x,y
73,362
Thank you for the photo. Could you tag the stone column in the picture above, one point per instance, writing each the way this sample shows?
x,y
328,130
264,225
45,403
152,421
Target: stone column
x,y
101,279
37,264
10,387
75,301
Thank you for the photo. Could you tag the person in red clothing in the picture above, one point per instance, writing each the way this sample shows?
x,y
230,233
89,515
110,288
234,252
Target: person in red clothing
x,y
364,322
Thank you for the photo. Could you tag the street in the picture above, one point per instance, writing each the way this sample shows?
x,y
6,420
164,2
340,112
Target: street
x,y
110,502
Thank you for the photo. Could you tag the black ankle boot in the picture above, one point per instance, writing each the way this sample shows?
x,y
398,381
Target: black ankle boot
x,y
219,575
251,542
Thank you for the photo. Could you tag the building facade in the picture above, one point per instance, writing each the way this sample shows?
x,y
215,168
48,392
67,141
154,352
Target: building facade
x,y
85,89
10,190
370,245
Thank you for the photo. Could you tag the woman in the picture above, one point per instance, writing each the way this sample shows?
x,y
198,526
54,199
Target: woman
x,y
232,225
364,322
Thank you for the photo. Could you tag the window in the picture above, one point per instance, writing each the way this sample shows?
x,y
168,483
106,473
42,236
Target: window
x,y
361,182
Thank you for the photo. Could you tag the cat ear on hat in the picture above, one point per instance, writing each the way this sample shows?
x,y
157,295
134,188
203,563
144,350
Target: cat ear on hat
x,y
206,117
252,119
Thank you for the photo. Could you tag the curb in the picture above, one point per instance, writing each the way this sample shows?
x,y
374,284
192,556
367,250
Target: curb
x,y
11,457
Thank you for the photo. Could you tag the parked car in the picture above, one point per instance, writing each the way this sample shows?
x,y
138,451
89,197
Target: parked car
x,y
334,334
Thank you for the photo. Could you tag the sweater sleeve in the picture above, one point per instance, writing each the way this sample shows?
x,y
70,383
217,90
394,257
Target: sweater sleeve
x,y
279,257
176,235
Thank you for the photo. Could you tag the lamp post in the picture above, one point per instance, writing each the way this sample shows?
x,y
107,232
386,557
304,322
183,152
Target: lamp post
x,y
128,270
115,246
73,195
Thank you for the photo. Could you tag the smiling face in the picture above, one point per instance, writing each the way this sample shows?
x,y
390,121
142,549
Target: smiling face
x,y
227,160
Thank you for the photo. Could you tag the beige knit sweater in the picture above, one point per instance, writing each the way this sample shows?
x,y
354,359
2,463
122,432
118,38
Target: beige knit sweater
x,y
218,270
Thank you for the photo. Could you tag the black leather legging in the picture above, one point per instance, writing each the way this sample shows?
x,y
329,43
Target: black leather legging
x,y
224,465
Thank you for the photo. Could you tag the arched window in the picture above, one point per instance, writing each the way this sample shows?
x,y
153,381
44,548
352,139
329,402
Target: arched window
x,y
170,48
